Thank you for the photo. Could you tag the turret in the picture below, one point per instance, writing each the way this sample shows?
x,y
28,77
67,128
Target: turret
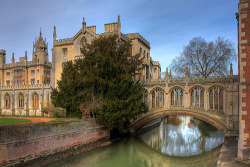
x,y
119,27
166,73
83,26
54,34
40,51
170,75
2,58
13,58
26,57
231,70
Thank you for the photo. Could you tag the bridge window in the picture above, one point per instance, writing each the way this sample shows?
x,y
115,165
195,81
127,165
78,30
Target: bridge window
x,y
145,99
177,97
158,98
197,97
216,98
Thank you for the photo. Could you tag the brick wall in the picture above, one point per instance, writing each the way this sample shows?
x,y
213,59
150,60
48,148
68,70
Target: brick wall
x,y
244,75
25,141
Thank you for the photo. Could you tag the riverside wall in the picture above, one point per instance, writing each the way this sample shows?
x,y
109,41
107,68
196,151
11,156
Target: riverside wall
x,y
19,143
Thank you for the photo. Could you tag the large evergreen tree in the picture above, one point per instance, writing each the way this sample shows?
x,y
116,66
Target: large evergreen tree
x,y
103,78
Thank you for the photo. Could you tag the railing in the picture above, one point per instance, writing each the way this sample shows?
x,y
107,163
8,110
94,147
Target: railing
x,y
25,86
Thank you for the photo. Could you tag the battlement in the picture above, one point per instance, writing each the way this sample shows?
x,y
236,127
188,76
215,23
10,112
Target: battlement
x,y
138,36
92,28
156,63
194,80
111,27
23,63
124,37
25,87
2,52
66,41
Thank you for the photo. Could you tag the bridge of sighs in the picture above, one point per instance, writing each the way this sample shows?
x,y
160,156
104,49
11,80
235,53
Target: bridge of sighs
x,y
215,98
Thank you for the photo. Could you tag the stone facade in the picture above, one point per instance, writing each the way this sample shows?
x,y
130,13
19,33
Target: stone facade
x,y
243,18
25,85
69,50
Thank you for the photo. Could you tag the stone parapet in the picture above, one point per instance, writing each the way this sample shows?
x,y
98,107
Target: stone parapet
x,y
38,86
138,36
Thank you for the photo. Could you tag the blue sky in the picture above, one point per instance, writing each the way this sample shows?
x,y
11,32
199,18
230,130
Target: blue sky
x,y
167,24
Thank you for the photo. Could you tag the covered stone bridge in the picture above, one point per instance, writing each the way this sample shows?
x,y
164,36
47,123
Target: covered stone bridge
x,y
202,98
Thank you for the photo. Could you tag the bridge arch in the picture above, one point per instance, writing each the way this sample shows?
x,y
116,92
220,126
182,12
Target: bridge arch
x,y
196,85
143,120
217,85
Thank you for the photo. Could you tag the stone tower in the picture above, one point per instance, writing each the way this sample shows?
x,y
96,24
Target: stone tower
x,y
40,51
2,58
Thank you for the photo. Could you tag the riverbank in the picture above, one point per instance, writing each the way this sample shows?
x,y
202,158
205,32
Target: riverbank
x,y
228,153
39,144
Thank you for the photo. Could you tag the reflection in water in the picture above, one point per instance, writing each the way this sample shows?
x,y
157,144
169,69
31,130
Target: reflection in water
x,y
133,152
181,136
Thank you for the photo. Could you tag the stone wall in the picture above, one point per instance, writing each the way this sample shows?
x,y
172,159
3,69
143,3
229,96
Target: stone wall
x,y
243,18
20,142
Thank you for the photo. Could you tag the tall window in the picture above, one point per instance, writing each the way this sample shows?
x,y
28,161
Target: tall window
x,y
65,52
145,99
20,101
158,98
7,101
177,97
197,97
216,98
33,82
35,100
8,83
8,74
32,72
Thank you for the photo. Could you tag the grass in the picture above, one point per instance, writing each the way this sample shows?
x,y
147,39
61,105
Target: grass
x,y
61,119
12,121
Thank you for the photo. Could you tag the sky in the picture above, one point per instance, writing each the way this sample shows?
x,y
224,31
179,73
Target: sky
x,y
168,25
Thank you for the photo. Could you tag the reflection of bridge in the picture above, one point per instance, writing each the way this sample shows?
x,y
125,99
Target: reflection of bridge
x,y
213,100
218,121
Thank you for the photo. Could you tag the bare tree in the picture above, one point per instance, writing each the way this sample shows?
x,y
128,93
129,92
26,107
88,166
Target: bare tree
x,y
204,58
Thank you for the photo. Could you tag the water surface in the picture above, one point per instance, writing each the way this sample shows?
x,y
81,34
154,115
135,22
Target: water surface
x,y
178,142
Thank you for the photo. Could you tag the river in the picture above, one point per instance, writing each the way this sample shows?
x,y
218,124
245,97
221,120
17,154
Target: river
x,y
178,141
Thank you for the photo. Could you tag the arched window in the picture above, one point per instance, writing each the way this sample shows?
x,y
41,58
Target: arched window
x,y
157,98
177,97
197,97
20,100
35,100
145,99
216,98
7,101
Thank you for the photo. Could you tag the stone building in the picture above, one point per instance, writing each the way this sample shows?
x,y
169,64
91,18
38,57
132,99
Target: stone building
x,y
69,50
25,85
243,18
